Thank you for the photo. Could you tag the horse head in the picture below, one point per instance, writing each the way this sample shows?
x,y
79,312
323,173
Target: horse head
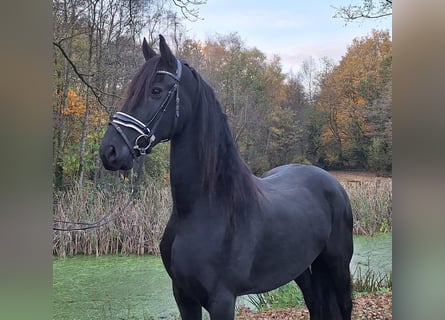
x,y
154,110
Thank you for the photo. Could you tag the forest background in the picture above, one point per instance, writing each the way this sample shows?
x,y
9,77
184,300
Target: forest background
x,y
336,116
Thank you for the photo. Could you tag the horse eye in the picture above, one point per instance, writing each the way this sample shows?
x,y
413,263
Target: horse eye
x,y
156,90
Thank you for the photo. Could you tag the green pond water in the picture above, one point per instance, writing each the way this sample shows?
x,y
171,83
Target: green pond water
x,y
138,288
111,287
373,253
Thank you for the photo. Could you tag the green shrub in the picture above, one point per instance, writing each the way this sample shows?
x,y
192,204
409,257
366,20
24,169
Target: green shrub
x,y
380,156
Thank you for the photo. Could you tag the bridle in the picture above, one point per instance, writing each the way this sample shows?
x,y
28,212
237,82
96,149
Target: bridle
x,y
146,132
142,144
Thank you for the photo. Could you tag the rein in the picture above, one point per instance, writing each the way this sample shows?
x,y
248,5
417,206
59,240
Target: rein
x,y
107,218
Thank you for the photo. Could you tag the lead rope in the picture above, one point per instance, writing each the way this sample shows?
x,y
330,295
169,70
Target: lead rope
x,y
107,218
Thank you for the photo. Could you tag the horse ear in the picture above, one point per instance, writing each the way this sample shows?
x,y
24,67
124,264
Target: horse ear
x,y
166,55
147,51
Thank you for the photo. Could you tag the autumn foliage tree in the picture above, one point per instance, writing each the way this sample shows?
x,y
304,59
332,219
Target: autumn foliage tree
x,y
355,99
265,109
96,52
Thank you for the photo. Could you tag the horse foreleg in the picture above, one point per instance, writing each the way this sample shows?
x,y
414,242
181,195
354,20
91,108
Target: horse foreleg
x,y
188,308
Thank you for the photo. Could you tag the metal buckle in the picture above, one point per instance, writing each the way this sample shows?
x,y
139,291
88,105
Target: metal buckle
x,y
143,143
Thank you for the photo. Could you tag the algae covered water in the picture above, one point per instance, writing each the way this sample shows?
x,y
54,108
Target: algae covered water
x,y
373,253
138,287
111,287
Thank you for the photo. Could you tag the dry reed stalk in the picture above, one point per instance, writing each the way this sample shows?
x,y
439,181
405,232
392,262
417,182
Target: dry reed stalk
x,y
140,228
137,231
371,201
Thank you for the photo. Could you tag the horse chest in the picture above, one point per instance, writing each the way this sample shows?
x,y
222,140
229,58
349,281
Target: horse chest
x,y
195,257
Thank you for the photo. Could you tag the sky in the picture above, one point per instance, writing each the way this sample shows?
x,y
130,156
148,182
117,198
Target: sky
x,y
291,29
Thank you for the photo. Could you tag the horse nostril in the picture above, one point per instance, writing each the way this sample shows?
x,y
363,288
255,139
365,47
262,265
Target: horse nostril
x,y
111,153
107,153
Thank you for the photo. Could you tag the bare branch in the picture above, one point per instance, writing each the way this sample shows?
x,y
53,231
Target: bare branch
x,y
189,13
94,90
369,9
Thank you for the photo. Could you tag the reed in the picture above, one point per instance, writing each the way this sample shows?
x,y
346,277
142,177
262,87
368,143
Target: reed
x,y
371,202
137,231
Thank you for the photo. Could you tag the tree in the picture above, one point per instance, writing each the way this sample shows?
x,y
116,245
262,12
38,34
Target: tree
x,y
263,107
189,8
313,128
352,96
377,113
308,71
368,9
296,102
97,52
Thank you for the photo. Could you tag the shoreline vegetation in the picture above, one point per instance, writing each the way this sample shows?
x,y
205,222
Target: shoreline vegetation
x,y
139,229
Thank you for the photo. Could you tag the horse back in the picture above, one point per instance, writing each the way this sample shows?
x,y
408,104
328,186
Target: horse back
x,y
306,193
302,206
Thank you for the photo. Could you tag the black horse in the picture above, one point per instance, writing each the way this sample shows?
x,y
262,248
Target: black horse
x,y
231,233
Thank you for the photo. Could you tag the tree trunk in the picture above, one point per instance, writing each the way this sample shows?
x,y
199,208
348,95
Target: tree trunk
x,y
82,153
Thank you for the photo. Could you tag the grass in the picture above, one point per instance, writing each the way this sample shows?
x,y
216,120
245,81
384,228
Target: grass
x,y
285,296
290,295
370,281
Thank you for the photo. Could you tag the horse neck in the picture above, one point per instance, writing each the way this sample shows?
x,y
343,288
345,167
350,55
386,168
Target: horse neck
x,y
185,173
188,178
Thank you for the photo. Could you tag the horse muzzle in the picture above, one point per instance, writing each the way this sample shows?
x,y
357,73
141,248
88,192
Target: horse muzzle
x,y
115,157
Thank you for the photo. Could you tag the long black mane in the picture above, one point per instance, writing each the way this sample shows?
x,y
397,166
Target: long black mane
x,y
224,173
